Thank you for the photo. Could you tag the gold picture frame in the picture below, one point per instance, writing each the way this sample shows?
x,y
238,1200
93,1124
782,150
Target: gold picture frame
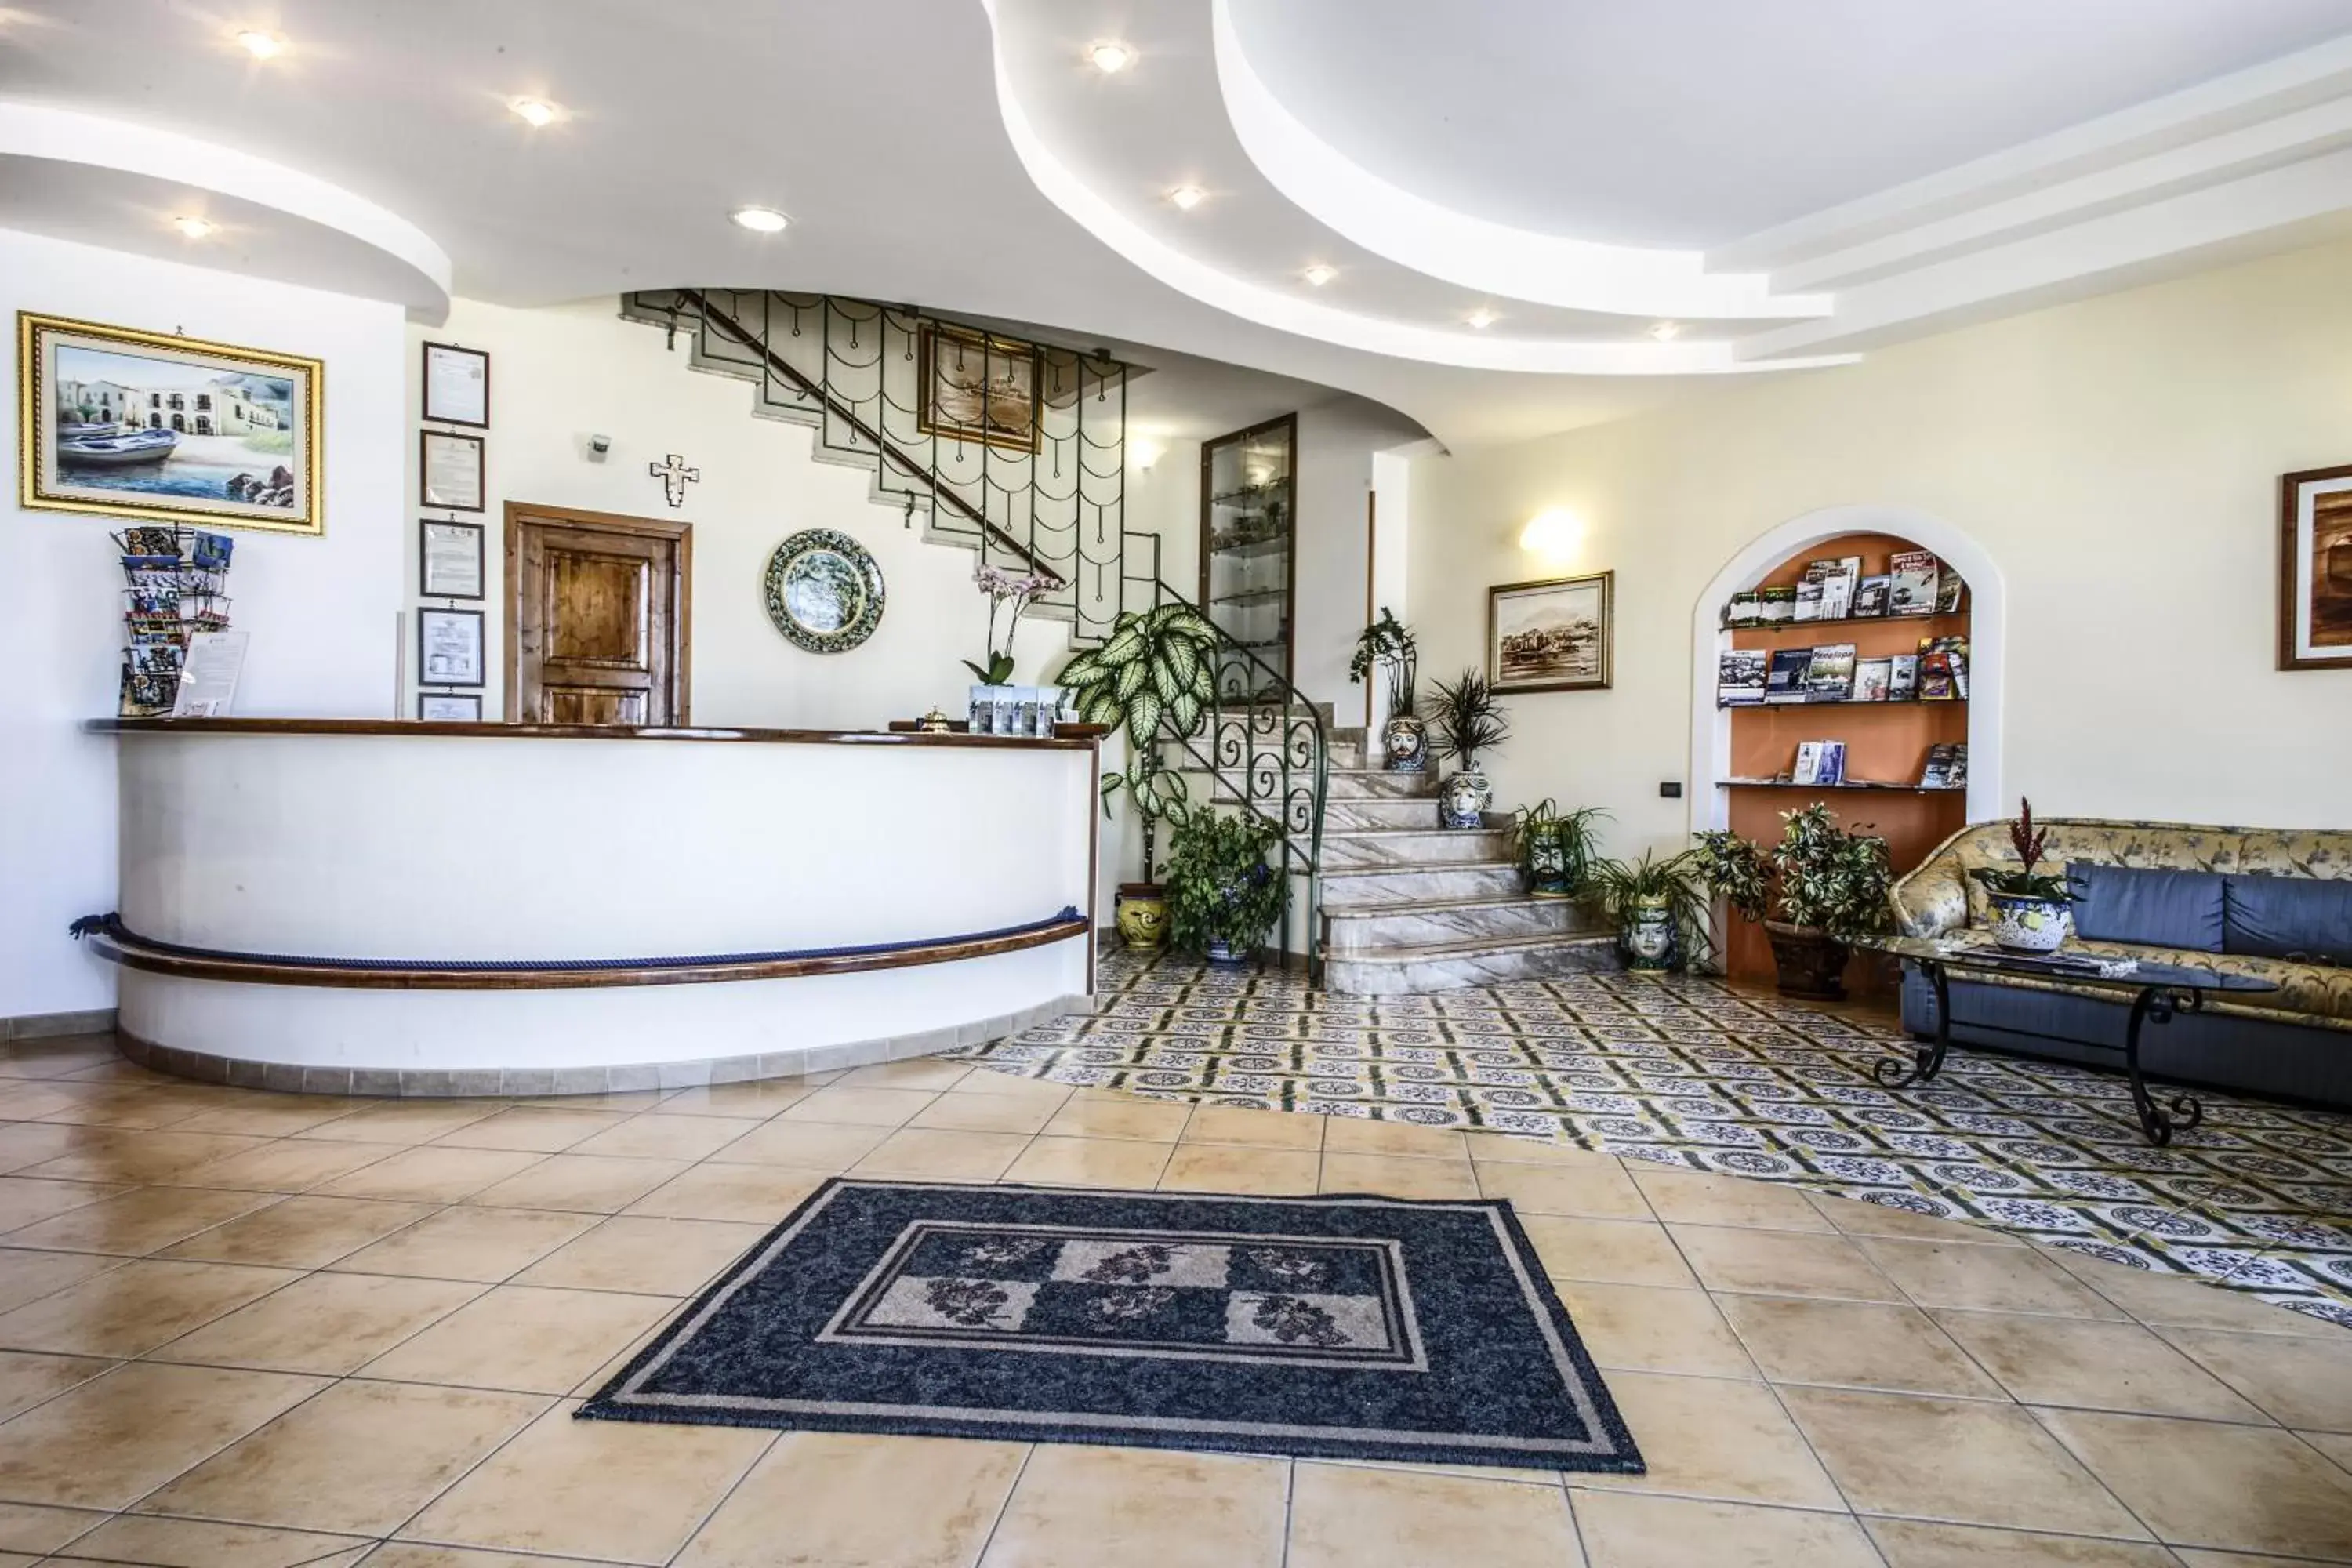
x,y
1558,634
167,428
978,387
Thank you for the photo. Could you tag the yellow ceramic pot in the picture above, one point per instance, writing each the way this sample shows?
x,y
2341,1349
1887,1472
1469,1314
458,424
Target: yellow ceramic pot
x,y
1143,916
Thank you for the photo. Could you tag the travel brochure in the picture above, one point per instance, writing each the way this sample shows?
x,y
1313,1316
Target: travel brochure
x,y
1939,672
1946,766
175,615
1914,583
1819,762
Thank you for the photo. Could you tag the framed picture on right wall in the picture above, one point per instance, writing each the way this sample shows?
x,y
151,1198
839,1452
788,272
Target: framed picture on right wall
x,y
2315,615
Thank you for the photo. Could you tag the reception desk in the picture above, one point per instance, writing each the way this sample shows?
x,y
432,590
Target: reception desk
x,y
378,908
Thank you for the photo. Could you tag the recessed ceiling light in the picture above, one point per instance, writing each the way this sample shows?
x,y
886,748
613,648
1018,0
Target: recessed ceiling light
x,y
1665,331
261,45
1109,57
1320,274
760,220
1481,318
1187,197
534,113
194,227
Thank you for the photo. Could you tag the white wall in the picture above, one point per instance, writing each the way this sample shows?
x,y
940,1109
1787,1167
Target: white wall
x,y
2118,460
320,610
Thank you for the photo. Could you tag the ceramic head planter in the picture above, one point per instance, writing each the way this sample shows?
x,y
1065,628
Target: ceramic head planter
x,y
1468,720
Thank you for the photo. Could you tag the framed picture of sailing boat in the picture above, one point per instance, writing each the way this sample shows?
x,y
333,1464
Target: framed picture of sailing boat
x,y
155,426
977,386
2314,614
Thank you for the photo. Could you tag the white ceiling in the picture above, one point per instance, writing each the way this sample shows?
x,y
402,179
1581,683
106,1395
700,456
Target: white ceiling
x,y
958,154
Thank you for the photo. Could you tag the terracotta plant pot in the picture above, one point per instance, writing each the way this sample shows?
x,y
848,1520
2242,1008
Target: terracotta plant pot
x,y
1143,916
1811,963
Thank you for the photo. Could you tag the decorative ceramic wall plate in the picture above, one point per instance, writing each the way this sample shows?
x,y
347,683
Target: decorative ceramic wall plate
x,y
824,592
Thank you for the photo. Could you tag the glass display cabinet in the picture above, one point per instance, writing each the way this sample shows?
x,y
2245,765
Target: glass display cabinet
x,y
1249,510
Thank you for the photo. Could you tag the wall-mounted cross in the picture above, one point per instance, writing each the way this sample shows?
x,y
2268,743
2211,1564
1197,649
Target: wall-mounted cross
x,y
675,476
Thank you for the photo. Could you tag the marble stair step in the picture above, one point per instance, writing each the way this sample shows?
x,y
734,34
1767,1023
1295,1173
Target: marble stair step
x,y
1414,846
1356,887
1450,965
1371,928
1347,815
1369,784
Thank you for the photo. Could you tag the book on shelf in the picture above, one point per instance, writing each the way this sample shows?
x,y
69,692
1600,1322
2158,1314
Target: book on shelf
x,y
1915,575
1838,587
1819,762
1775,605
1903,678
1947,591
1943,669
1809,598
1871,677
1743,611
1870,597
1829,676
1946,766
1784,681
1739,677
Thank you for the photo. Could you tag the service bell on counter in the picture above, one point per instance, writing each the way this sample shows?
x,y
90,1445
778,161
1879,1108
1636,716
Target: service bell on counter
x,y
933,723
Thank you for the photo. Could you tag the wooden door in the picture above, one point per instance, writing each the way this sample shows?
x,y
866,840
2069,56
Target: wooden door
x,y
598,618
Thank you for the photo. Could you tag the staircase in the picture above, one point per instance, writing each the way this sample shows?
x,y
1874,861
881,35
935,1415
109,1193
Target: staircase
x,y
1408,906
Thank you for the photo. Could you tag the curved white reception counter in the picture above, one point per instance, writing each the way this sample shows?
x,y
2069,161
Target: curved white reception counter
x,y
375,908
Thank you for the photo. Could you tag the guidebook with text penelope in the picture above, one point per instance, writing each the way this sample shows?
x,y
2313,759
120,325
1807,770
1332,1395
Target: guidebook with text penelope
x,y
1829,676
1739,677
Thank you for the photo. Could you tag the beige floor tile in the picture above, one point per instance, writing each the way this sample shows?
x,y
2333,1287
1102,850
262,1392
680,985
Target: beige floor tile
x,y
2093,1365
26,1146
26,1380
1598,1191
1238,1168
581,1184
29,1276
843,1106
1709,1437
1151,1119
328,1325
830,1147
1364,1135
1854,1344
915,1072
115,1438
1983,1278
130,1311
1083,1507
626,1491
850,1500
1912,1543
107,1154
961,1110
1965,1461
986,1080
200,1543
625,1102
2297,1381
2198,1483
668,1137
1633,1529
465,1243
2174,1300
284,1165
1643,1327
939,1154
2337,1446
521,1337
755,1101
360,1457
1696,1197
762,1195
431,1175
1256,1129
531,1129
134,1106
1857,1217
1090,1163
37,1530
653,1256
404,1121
414,1554
1345,1516
303,1232
1607,1251
271,1116
1781,1263
1398,1177
24,1200
142,1220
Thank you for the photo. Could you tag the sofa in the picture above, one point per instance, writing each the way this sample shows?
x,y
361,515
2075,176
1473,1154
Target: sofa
x,y
2267,902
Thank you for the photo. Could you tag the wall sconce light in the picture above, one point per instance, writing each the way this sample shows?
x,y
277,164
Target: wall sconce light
x,y
1554,534
1143,453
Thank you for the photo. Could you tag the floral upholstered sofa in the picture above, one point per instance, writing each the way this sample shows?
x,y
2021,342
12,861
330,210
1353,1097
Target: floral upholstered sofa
x,y
2294,1042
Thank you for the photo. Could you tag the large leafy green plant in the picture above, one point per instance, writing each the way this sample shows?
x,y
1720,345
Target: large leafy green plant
x,y
1679,880
1818,875
1220,885
1388,645
1154,676
1466,719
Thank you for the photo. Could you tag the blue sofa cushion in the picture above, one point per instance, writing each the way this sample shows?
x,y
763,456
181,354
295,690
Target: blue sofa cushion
x,y
2302,918
2160,909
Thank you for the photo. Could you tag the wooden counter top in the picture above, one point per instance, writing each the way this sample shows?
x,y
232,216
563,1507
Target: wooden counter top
x,y
1069,738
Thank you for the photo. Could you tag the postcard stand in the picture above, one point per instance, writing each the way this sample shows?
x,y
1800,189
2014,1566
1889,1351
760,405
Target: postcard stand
x,y
174,585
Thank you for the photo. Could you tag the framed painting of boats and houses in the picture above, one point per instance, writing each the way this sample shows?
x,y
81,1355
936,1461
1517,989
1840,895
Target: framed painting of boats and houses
x,y
977,386
117,422
1554,635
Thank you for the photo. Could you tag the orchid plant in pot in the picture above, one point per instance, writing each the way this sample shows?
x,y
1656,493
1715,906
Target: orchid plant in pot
x,y
1004,588
1828,883
2028,911
1466,720
1388,646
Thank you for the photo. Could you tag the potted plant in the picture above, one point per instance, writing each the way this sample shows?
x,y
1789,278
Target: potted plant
x,y
1659,907
1467,720
2028,911
1388,645
1557,849
1829,884
1150,679
1004,588
1222,896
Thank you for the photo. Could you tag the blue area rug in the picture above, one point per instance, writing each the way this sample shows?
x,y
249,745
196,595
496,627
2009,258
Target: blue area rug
x,y
1366,1328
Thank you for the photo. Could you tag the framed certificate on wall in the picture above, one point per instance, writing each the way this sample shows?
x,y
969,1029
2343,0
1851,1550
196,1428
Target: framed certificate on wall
x,y
448,648
449,707
457,385
449,560
449,470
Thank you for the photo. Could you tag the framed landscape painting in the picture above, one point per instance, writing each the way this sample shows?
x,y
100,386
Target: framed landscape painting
x,y
2315,615
155,427
977,386
1553,636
